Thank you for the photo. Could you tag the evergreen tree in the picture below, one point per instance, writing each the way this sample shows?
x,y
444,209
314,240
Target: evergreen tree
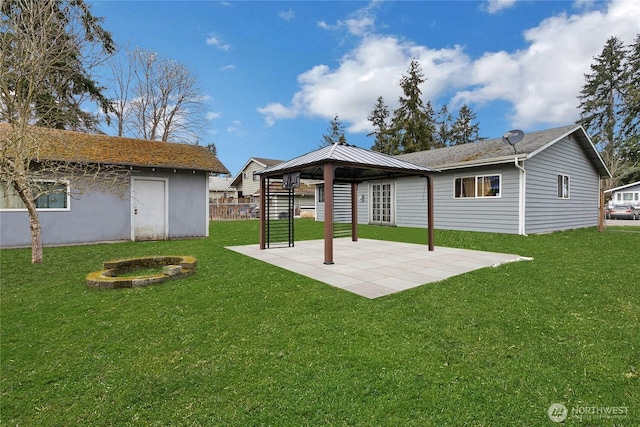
x,y
383,140
63,70
609,109
412,126
464,130
631,91
335,135
630,146
444,122
601,96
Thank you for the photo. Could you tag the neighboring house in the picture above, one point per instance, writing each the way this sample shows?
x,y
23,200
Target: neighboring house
x,y
219,188
247,184
625,195
165,197
549,181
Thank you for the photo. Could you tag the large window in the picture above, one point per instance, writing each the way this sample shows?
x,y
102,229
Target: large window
x,y
563,187
627,197
477,186
55,196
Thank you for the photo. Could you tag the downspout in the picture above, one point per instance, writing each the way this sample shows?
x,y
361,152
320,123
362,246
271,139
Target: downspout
x,y
522,197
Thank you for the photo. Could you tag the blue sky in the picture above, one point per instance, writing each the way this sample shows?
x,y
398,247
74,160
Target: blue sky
x,y
275,73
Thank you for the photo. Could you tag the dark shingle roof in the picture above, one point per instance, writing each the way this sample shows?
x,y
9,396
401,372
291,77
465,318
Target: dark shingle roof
x,y
69,146
494,151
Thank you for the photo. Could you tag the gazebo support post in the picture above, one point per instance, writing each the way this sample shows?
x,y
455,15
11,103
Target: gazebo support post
x,y
430,211
328,212
263,206
354,211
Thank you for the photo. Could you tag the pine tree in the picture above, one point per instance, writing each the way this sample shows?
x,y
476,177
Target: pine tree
x,y
601,96
464,130
379,117
631,92
444,122
412,126
630,146
607,109
336,133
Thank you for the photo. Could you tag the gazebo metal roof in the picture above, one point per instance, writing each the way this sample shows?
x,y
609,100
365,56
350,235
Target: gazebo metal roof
x,y
352,164
345,163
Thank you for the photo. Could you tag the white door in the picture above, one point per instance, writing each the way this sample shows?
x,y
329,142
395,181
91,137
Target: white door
x,y
149,198
382,209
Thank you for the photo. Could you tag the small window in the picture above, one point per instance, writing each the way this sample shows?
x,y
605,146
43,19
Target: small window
x,y
321,193
56,196
563,187
477,186
627,197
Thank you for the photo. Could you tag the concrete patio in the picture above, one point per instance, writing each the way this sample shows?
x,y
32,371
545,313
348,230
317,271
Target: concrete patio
x,y
375,268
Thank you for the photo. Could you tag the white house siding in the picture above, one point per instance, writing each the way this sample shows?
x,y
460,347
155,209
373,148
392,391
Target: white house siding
x,y
249,184
545,212
341,203
629,195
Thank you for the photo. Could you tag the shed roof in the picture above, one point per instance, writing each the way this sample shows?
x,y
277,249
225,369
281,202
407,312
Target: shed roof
x,y
353,164
70,146
495,151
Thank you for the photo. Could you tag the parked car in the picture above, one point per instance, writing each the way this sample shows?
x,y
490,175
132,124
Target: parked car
x,y
623,212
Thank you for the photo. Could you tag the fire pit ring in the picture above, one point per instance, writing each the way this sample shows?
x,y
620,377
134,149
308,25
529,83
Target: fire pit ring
x,y
173,267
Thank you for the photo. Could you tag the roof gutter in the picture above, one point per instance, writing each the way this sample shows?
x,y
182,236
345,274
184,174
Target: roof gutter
x,y
522,196
482,162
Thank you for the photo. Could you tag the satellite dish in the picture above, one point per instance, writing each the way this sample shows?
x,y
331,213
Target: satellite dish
x,y
512,137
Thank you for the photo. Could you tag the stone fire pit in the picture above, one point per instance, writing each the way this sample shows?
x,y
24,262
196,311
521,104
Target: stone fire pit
x,y
173,267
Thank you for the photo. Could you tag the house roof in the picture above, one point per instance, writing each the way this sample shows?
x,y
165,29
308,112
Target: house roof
x,y
622,187
353,164
70,146
495,151
219,183
259,160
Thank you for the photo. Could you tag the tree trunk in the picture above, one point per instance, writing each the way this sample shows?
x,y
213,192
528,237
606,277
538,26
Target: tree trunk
x,y
34,223
36,234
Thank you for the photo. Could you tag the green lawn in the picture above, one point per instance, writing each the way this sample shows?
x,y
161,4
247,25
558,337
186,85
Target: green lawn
x,y
243,343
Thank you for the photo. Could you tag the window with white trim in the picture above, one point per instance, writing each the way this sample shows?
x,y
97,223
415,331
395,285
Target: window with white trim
x,y
478,186
563,186
54,196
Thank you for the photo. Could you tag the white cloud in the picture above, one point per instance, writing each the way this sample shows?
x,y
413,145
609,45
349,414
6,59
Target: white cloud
x,y
214,40
541,81
495,6
235,127
227,67
373,69
211,115
287,15
361,22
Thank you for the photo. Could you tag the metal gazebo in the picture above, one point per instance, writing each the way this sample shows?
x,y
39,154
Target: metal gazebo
x,y
342,163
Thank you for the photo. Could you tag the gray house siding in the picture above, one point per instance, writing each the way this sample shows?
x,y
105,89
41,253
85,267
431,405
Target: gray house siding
x,y
489,214
106,215
83,222
188,203
545,212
